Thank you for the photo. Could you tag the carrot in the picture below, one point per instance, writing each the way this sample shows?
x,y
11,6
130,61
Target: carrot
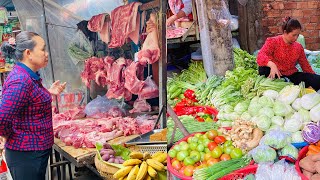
x,y
311,152
314,148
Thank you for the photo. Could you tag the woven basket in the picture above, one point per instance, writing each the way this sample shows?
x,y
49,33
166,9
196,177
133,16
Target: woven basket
x,y
104,169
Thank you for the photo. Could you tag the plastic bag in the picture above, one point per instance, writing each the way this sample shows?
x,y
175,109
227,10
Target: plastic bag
x,y
278,170
263,153
150,89
276,138
234,23
103,107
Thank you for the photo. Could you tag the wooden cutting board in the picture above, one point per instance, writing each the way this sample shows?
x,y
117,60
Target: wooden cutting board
x,y
122,139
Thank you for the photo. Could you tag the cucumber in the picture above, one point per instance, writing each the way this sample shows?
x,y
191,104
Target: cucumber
x,y
176,93
173,88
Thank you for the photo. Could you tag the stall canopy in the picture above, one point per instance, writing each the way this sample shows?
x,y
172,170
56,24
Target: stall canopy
x,y
7,4
61,18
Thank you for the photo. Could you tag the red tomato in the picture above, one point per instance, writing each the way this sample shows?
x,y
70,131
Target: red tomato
x,y
212,134
225,157
199,119
212,161
188,171
181,171
219,139
176,165
212,145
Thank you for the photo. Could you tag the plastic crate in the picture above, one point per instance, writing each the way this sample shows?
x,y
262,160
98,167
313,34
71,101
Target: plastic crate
x,y
302,154
241,173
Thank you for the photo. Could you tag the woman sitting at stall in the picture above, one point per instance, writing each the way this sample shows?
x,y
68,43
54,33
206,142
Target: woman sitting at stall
x,y
25,109
280,54
180,9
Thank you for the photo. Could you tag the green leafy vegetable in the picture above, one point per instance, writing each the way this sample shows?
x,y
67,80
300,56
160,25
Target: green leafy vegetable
x,y
121,151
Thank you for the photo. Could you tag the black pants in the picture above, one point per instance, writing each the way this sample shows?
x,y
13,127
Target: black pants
x,y
27,165
309,79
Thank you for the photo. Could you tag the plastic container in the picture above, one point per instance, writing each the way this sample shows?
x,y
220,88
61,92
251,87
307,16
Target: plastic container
x,y
302,154
300,145
241,173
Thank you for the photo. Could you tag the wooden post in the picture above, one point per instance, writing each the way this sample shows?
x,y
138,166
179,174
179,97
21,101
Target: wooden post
x,y
216,38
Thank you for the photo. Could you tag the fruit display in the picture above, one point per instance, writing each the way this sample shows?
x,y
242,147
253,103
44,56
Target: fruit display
x,y
201,150
142,166
108,154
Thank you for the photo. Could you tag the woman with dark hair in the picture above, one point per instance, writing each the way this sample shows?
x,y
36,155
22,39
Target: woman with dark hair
x,y
25,109
280,54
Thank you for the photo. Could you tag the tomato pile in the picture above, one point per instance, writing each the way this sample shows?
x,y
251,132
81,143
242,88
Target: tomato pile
x,y
202,150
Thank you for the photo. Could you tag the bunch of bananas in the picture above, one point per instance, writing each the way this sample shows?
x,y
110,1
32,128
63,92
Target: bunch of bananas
x,y
142,166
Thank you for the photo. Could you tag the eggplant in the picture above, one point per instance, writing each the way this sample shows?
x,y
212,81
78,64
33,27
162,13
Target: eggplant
x,y
104,151
116,161
107,146
121,161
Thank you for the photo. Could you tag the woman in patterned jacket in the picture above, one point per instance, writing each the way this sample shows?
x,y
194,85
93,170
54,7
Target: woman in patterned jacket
x,y
280,54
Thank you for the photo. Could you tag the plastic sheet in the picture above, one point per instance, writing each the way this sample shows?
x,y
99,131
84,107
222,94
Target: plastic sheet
x,y
103,106
64,15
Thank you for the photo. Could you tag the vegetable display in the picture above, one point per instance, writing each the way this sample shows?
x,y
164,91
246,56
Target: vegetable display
x,y
311,133
310,164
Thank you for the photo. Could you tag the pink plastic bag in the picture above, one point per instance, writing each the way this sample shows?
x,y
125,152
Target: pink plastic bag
x,y
150,89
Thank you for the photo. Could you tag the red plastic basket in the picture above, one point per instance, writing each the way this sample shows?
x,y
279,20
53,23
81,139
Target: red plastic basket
x,y
302,154
241,173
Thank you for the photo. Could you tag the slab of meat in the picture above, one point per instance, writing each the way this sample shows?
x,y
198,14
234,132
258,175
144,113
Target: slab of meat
x,y
124,23
134,77
150,90
140,105
150,52
93,137
92,65
128,125
175,32
100,23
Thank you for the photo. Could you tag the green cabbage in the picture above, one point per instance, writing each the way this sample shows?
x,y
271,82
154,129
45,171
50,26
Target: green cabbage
x,y
289,150
276,138
254,106
293,124
289,93
263,122
296,105
268,111
241,107
271,94
263,153
308,101
266,101
277,120
305,115
282,109
297,137
246,116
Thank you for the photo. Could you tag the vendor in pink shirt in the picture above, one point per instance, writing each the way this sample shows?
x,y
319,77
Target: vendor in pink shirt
x,y
280,54
180,9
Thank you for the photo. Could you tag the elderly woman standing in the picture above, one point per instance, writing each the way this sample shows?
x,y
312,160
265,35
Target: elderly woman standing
x,y
25,110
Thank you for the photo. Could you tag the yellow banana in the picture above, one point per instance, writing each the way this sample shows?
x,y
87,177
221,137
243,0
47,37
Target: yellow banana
x,y
156,154
146,155
147,177
153,173
122,172
125,178
136,155
142,171
161,157
133,173
132,162
155,164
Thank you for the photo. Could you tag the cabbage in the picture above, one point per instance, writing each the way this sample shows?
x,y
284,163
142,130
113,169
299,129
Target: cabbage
x,y
233,116
268,111
254,106
266,101
297,137
282,109
293,124
227,108
241,107
274,127
315,113
263,122
263,153
276,138
308,101
245,116
305,115
289,150
311,133
271,94
223,123
297,104
277,120
289,93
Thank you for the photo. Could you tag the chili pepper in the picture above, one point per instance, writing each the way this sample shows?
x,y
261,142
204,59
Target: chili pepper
x,y
200,119
189,94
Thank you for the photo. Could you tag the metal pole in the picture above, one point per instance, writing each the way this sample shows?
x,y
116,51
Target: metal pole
x,y
163,64
49,48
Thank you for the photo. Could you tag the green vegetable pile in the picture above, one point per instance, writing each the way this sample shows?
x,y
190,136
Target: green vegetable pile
x,y
244,59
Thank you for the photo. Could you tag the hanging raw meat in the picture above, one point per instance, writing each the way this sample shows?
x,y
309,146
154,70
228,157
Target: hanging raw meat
x,y
101,24
150,89
150,52
140,105
134,78
92,66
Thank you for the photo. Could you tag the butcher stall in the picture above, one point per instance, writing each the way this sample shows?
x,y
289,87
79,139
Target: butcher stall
x,y
114,63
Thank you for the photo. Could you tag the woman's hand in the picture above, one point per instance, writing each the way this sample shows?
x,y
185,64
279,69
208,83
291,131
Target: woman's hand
x,y
56,88
274,70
